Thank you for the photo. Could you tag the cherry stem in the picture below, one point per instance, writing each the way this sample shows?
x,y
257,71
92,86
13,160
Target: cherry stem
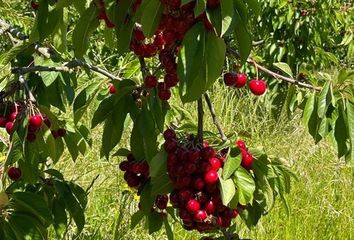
x,y
215,118
22,80
143,68
200,120
274,74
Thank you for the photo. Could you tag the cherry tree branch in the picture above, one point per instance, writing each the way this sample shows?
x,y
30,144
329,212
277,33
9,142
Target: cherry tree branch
x,y
67,67
215,118
274,74
31,97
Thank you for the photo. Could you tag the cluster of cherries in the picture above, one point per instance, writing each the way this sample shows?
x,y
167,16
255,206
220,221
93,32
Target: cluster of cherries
x,y
136,172
174,24
193,172
239,80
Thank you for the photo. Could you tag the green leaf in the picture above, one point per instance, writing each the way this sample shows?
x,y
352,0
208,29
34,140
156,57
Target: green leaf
x,y
227,13
60,218
309,107
155,222
113,128
324,100
350,114
255,6
32,203
243,37
200,7
168,228
87,23
158,164
146,198
284,67
136,218
231,164
227,190
341,131
27,227
245,186
151,17
11,54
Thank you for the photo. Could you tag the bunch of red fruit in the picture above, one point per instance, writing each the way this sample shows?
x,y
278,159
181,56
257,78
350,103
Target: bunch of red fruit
x,y
174,24
239,80
193,172
247,158
136,172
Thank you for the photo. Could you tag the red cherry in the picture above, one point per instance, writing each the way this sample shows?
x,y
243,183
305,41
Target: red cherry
x,y
194,155
257,87
169,134
112,88
150,81
211,177
164,94
109,23
241,144
47,122
138,34
9,127
198,183
55,134
210,207
14,173
208,152
190,168
161,201
170,146
61,132
230,79
215,163
124,166
192,206
35,121
34,5
171,80
241,80
247,159
185,195
200,216
3,122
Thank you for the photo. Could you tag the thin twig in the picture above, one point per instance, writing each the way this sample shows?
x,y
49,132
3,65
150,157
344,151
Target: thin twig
x,y
200,120
143,67
273,74
215,118
67,67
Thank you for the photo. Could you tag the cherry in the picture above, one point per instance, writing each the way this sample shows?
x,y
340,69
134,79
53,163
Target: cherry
x,y
169,134
210,207
164,94
14,173
150,81
109,23
161,201
211,177
241,80
247,159
230,79
47,122
241,144
192,206
3,122
215,163
13,116
35,121
55,134
34,5
194,155
208,152
9,127
190,168
185,195
200,216
257,87
198,183
112,89
61,132
124,166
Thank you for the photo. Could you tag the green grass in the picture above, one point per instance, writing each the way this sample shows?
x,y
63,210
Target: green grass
x,y
321,201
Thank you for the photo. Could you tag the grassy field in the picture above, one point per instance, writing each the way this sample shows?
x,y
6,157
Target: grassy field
x,y
322,201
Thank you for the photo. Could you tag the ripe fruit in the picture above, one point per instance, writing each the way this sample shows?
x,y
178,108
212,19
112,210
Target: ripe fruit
x,y
193,206
31,137
14,173
211,177
9,127
3,122
47,122
215,163
34,5
241,144
213,4
241,80
164,94
210,207
61,132
112,88
161,201
150,81
35,121
230,79
13,116
257,87
200,216
247,159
